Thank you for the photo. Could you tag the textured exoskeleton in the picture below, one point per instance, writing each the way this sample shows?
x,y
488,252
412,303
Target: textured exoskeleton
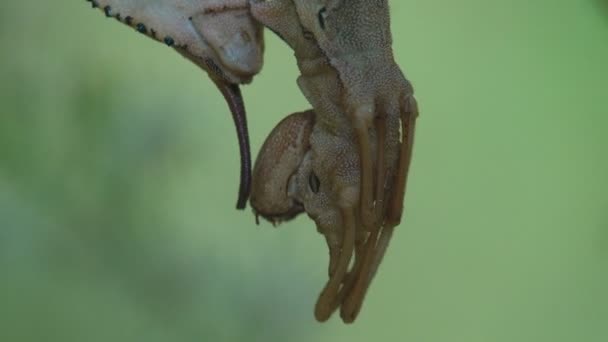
x,y
346,163
218,35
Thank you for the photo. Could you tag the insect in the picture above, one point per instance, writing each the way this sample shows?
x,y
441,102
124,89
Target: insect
x,y
345,163
217,35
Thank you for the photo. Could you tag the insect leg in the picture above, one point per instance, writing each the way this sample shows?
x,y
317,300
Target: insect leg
x,y
354,299
362,119
328,300
352,304
380,123
409,113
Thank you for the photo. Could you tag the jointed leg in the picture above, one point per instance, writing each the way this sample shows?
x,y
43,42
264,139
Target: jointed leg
x,y
380,238
395,209
409,114
328,300
352,304
362,119
354,297
361,240
381,171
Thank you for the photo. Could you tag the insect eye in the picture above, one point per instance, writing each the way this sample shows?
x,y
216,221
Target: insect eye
x,y
314,182
308,35
321,17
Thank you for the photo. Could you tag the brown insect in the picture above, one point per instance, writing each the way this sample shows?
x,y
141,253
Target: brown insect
x,y
345,164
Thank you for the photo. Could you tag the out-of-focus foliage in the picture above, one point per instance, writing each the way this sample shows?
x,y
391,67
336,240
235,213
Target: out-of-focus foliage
x,y
119,169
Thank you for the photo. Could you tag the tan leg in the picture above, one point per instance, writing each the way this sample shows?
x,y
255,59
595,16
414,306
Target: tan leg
x,y
334,257
381,171
408,122
382,245
351,277
360,248
353,285
379,240
352,304
395,209
363,118
328,300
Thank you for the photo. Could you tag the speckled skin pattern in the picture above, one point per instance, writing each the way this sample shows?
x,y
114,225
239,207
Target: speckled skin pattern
x,y
343,50
219,36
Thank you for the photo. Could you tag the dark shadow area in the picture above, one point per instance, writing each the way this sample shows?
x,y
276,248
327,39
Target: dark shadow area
x,y
602,5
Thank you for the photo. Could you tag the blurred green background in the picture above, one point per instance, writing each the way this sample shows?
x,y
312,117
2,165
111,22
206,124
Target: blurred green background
x,y
119,168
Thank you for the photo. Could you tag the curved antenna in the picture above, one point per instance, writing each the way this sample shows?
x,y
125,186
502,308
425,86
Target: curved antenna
x,y
234,98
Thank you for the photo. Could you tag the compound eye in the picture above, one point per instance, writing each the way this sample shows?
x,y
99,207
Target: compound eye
x,y
314,183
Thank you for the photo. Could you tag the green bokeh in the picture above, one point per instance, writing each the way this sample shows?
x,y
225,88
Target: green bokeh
x,y
119,168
